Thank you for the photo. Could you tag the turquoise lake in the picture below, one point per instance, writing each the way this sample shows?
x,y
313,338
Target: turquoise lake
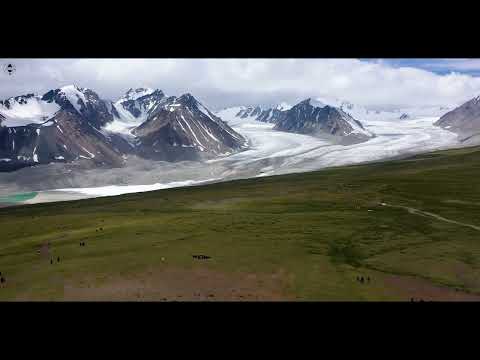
x,y
16,198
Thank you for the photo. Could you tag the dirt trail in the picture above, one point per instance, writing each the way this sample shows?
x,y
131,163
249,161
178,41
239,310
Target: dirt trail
x,y
429,214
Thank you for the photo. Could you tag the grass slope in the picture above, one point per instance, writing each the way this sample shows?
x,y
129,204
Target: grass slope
x,y
314,233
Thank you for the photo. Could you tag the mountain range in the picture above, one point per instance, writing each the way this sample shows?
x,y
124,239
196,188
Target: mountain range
x,y
270,114
75,124
311,117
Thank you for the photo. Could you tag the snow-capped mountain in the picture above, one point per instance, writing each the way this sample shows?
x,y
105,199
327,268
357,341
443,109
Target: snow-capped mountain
x,y
62,125
134,108
184,127
171,128
73,123
85,102
324,121
312,117
464,121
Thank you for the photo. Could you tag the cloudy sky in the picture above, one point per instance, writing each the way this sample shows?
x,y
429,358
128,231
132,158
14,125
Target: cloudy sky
x,y
378,83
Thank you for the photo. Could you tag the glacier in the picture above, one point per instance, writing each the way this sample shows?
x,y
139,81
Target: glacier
x,y
269,152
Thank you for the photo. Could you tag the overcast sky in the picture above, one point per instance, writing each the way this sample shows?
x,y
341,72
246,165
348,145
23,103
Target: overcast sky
x,y
226,82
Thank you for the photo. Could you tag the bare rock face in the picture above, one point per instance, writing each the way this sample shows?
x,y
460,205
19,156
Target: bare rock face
x,y
183,128
464,120
328,121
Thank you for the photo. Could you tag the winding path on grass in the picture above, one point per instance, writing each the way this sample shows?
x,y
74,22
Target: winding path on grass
x,y
429,214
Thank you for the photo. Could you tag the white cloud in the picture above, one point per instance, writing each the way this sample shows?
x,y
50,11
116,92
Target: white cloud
x,y
225,82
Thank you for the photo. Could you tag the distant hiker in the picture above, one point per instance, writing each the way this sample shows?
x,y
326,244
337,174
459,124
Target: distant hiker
x,y
368,279
362,280
58,259
2,280
51,261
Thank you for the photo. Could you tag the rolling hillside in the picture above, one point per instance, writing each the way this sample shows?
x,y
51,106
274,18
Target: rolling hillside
x,y
397,230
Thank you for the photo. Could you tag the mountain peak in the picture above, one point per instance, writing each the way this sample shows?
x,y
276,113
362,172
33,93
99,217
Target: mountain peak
x,y
134,94
318,119
305,102
140,90
315,103
187,99
71,88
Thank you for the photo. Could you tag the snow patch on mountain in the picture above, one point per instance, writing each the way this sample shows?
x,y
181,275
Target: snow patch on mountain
x,y
133,109
356,127
126,122
27,111
75,96
134,94
283,106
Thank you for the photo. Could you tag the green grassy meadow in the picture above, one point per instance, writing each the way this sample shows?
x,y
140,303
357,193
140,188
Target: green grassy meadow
x,y
318,230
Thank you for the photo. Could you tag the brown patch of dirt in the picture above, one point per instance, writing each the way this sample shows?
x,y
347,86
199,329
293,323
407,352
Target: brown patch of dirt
x,y
44,250
408,287
466,275
197,284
